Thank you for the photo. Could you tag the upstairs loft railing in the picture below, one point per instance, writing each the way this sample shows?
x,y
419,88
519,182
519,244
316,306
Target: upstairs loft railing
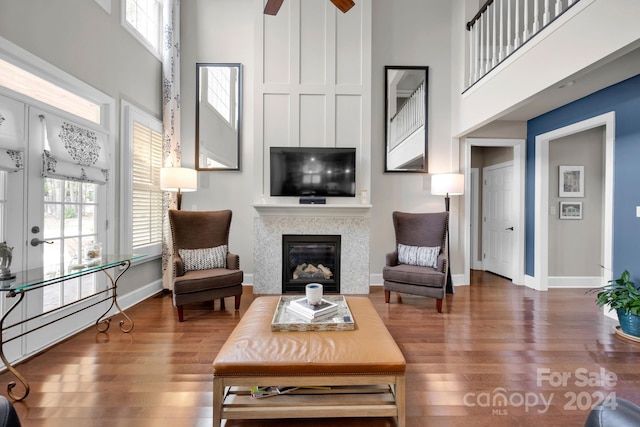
x,y
409,117
502,26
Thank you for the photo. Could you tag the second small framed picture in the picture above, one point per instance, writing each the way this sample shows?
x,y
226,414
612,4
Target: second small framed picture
x,y
570,210
571,181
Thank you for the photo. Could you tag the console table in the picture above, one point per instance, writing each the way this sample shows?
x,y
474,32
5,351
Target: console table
x,y
26,281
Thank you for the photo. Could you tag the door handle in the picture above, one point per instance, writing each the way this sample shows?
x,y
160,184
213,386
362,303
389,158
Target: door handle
x,y
510,228
35,242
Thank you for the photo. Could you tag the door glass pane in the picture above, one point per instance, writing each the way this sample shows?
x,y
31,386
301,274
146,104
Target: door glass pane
x,y
71,220
3,204
88,219
70,224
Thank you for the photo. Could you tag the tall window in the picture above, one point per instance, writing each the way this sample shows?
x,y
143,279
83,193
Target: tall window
x,y
147,195
144,19
141,173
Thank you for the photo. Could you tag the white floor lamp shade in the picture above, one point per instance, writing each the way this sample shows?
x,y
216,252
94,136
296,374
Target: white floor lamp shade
x,y
180,180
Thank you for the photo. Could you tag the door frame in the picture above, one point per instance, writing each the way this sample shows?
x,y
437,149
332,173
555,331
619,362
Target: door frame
x,y
541,235
474,224
519,160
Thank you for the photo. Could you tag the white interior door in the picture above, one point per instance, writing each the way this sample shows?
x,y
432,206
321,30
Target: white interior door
x,y
498,219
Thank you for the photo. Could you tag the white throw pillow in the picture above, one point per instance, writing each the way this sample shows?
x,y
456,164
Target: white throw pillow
x,y
204,259
418,255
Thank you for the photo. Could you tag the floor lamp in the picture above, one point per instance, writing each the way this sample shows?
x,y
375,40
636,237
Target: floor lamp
x,y
180,180
447,184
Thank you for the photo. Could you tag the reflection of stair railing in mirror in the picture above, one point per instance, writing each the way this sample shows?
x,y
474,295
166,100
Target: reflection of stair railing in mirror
x,y
408,119
406,122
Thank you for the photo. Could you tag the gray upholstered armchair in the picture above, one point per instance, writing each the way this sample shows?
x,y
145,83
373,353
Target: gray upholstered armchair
x,y
204,269
418,265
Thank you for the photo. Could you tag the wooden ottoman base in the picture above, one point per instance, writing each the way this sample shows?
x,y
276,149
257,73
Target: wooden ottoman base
x,y
335,397
359,373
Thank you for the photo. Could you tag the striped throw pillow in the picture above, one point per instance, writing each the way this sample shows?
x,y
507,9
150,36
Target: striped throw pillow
x,y
418,255
204,259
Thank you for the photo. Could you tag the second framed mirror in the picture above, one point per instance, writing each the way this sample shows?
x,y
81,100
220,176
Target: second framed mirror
x,y
218,116
406,119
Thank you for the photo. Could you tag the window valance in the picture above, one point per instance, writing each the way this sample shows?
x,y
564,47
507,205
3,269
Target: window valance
x,y
12,134
74,151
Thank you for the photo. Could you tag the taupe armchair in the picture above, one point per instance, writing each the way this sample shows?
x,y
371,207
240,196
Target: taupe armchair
x,y
424,237
204,269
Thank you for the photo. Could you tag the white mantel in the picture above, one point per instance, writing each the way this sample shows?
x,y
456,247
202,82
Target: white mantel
x,y
351,222
313,210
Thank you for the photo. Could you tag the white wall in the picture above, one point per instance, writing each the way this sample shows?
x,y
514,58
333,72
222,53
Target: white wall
x,y
221,31
407,32
410,32
81,39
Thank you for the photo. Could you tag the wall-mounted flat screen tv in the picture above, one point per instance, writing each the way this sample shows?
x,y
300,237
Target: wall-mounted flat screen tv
x,y
313,171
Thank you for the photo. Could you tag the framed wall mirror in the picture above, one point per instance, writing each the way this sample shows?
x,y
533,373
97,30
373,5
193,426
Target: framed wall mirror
x,y
406,119
218,116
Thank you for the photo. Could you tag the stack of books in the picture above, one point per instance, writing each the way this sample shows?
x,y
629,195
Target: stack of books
x,y
301,307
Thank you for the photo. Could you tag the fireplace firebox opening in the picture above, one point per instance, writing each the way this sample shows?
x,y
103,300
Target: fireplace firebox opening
x,y
310,259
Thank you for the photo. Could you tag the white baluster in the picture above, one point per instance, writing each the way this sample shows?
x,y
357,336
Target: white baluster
x,y
470,43
536,23
476,29
508,47
487,61
547,13
525,21
501,22
558,7
481,48
516,40
494,40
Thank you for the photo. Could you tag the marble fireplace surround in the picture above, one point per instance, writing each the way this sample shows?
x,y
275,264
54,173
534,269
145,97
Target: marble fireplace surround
x,y
351,222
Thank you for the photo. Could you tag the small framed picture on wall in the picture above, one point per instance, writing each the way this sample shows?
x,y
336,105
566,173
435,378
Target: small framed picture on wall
x,y
570,210
571,181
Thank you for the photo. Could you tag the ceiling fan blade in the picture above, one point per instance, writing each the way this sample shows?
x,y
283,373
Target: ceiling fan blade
x,y
343,5
272,7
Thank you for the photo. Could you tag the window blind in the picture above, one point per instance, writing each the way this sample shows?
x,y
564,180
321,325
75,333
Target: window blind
x,y
146,192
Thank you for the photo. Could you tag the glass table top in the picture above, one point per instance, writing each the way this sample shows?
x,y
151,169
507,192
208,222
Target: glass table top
x,y
48,275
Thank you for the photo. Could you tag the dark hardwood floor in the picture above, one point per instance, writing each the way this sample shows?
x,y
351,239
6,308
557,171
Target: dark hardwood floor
x,y
492,338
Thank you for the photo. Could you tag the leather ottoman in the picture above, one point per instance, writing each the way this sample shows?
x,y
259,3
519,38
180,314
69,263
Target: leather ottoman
x,y
359,373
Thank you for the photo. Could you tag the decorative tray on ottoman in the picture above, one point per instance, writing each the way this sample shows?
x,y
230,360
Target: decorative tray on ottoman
x,y
285,320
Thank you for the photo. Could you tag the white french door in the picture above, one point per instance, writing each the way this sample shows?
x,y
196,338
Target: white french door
x,y
498,219
61,217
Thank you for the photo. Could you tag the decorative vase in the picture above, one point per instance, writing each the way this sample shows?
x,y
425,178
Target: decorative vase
x,y
629,323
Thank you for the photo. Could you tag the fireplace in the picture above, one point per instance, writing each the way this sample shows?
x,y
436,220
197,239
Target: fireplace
x,y
310,259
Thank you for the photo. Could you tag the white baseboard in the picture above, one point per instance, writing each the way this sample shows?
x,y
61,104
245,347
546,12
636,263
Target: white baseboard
x,y
375,280
575,282
248,279
530,282
458,280
139,295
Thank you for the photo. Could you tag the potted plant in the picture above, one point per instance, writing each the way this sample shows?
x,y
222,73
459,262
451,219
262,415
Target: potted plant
x,y
622,295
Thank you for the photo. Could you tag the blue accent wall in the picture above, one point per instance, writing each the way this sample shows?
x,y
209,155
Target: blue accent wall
x,y
624,99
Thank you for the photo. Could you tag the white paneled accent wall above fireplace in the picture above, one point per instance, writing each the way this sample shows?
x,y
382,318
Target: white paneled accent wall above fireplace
x,y
313,86
313,89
